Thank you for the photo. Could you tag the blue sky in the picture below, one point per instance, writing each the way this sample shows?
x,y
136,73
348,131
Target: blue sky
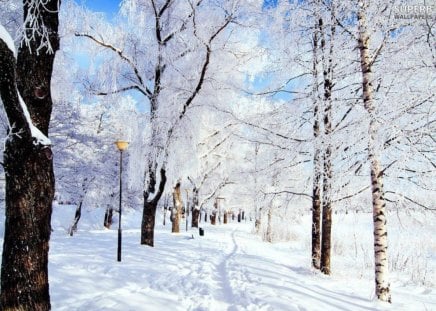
x,y
109,7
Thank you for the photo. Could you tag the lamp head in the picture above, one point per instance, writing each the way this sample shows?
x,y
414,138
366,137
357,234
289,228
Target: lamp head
x,y
122,145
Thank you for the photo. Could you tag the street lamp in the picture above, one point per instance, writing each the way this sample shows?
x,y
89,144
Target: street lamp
x,y
121,145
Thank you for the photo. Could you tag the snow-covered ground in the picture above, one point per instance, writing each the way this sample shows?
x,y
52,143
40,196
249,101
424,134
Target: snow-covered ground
x,y
227,269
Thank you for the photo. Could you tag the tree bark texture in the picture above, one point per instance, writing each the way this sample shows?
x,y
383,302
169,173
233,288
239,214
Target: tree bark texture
x,y
150,206
195,208
108,217
28,168
76,219
327,63
177,209
268,234
317,161
382,286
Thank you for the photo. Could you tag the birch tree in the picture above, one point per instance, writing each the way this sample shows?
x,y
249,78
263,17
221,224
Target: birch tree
x,y
382,286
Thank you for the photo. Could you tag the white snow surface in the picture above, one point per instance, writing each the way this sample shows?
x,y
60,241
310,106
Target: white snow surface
x,y
6,37
228,268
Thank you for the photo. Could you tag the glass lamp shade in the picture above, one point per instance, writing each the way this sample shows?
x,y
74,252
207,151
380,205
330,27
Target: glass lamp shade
x,y
121,144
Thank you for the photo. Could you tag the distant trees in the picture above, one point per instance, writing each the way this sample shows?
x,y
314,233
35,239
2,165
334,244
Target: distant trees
x,y
25,79
165,56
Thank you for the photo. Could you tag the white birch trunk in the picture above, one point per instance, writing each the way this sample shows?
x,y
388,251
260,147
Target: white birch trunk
x,y
382,286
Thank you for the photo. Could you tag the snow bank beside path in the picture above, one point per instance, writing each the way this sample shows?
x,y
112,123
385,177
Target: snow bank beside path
x,y
227,269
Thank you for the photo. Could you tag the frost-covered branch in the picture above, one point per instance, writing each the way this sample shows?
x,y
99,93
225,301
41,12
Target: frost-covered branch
x,y
302,194
410,200
37,30
141,87
351,195
221,185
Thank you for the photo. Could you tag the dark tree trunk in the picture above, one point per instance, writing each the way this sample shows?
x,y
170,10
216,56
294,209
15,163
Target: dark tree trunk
x,y
29,195
28,168
77,216
326,237
148,222
108,217
195,217
195,208
78,213
316,222
150,206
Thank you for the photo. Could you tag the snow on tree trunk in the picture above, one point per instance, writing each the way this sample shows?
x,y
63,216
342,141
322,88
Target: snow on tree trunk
x,y
269,235
327,62
317,162
85,184
257,208
150,206
77,216
177,209
195,208
28,162
108,217
382,286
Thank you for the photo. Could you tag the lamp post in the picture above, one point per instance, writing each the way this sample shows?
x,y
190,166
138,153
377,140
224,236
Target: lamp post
x,y
121,145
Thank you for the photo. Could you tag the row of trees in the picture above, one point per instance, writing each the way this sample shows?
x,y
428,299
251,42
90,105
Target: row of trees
x,y
362,112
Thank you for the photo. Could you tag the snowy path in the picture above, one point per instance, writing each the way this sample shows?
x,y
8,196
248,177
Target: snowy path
x,y
227,269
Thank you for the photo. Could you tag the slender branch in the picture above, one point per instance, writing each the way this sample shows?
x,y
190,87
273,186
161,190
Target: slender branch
x,y
123,89
351,195
120,53
288,192
260,127
410,200
211,195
